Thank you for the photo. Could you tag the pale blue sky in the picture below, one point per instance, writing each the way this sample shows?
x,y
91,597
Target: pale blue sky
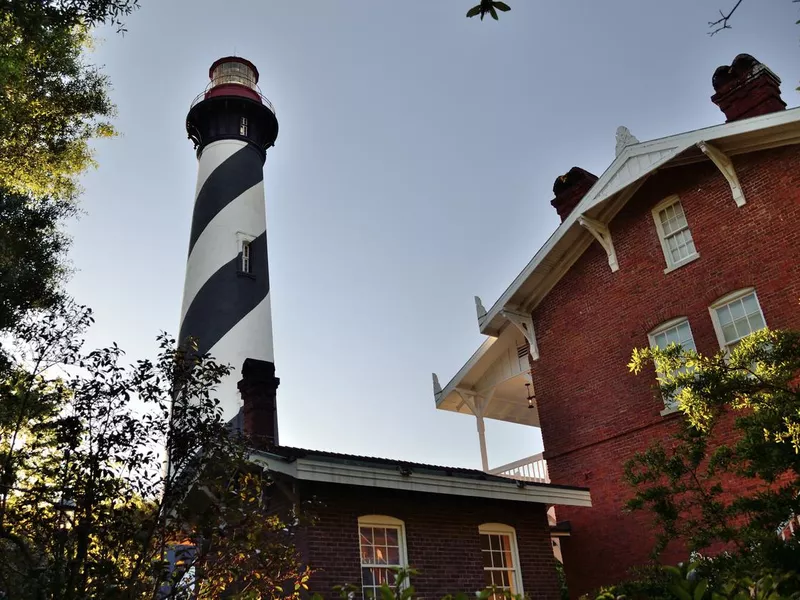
x,y
413,170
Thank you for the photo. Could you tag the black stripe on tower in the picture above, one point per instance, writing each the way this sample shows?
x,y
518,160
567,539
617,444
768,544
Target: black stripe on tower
x,y
235,175
226,298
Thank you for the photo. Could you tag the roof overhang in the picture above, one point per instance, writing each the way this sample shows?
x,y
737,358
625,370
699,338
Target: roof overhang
x,y
616,186
496,375
309,469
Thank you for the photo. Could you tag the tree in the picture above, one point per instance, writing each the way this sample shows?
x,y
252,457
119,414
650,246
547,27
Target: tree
x,y
52,104
730,479
87,509
32,249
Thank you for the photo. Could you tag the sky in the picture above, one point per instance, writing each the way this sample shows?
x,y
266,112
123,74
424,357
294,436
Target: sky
x,y
413,170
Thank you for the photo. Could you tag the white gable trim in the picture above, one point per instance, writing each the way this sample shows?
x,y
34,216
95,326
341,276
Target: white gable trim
x,y
639,160
305,469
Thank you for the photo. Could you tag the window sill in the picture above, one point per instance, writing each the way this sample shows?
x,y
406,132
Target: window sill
x,y
669,410
686,261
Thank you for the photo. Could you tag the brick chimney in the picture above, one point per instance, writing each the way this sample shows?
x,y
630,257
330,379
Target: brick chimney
x,y
258,387
570,189
746,89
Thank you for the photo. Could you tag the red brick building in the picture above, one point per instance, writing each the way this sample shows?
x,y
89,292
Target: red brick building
x,y
461,529
691,238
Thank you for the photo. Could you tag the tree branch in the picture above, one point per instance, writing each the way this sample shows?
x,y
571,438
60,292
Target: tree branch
x,y
722,23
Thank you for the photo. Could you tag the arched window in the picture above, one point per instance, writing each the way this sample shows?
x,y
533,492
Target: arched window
x,y
383,550
676,331
500,558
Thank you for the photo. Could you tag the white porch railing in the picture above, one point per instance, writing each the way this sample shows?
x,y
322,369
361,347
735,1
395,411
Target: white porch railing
x,y
533,468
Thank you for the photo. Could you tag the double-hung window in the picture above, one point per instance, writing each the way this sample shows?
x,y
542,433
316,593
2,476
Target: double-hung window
x,y
676,331
736,316
383,552
673,231
500,558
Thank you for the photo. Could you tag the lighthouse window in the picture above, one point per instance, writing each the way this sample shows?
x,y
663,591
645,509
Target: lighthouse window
x,y
243,126
245,257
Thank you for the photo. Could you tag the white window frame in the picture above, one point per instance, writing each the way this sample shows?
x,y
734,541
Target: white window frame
x,y
727,299
242,240
670,406
502,529
662,236
383,521
243,126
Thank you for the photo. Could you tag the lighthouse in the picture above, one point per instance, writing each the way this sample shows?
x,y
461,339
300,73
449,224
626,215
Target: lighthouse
x,y
226,299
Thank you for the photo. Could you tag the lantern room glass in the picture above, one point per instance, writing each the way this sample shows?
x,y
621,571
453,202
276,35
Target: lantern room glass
x,y
233,72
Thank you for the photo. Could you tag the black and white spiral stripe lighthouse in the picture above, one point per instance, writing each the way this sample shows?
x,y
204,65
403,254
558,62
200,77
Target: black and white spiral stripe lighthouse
x,y
226,301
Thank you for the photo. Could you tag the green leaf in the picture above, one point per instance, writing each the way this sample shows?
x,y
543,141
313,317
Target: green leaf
x,y
474,11
700,590
679,592
493,13
502,6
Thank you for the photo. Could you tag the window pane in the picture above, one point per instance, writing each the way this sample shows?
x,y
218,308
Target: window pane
x,y
756,321
742,327
366,535
505,579
488,579
729,333
661,340
750,304
380,536
391,537
737,309
487,558
366,577
724,315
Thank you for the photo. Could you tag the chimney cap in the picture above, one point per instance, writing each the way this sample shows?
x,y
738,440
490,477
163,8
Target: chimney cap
x,y
258,370
743,67
570,178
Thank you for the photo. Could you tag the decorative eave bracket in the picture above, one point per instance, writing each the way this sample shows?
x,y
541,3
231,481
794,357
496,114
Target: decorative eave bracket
x,y
602,234
725,165
524,323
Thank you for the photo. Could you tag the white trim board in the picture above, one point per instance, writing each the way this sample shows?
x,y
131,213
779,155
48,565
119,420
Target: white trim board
x,y
321,471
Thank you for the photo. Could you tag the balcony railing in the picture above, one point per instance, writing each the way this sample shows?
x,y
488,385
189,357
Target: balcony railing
x,y
533,469
255,89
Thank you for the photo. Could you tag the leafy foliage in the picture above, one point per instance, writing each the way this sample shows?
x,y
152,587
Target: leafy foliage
x,y
741,423
689,581
87,509
32,251
403,590
488,7
53,101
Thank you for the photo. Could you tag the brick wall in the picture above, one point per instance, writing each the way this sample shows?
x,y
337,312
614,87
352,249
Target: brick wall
x,y
441,536
594,413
